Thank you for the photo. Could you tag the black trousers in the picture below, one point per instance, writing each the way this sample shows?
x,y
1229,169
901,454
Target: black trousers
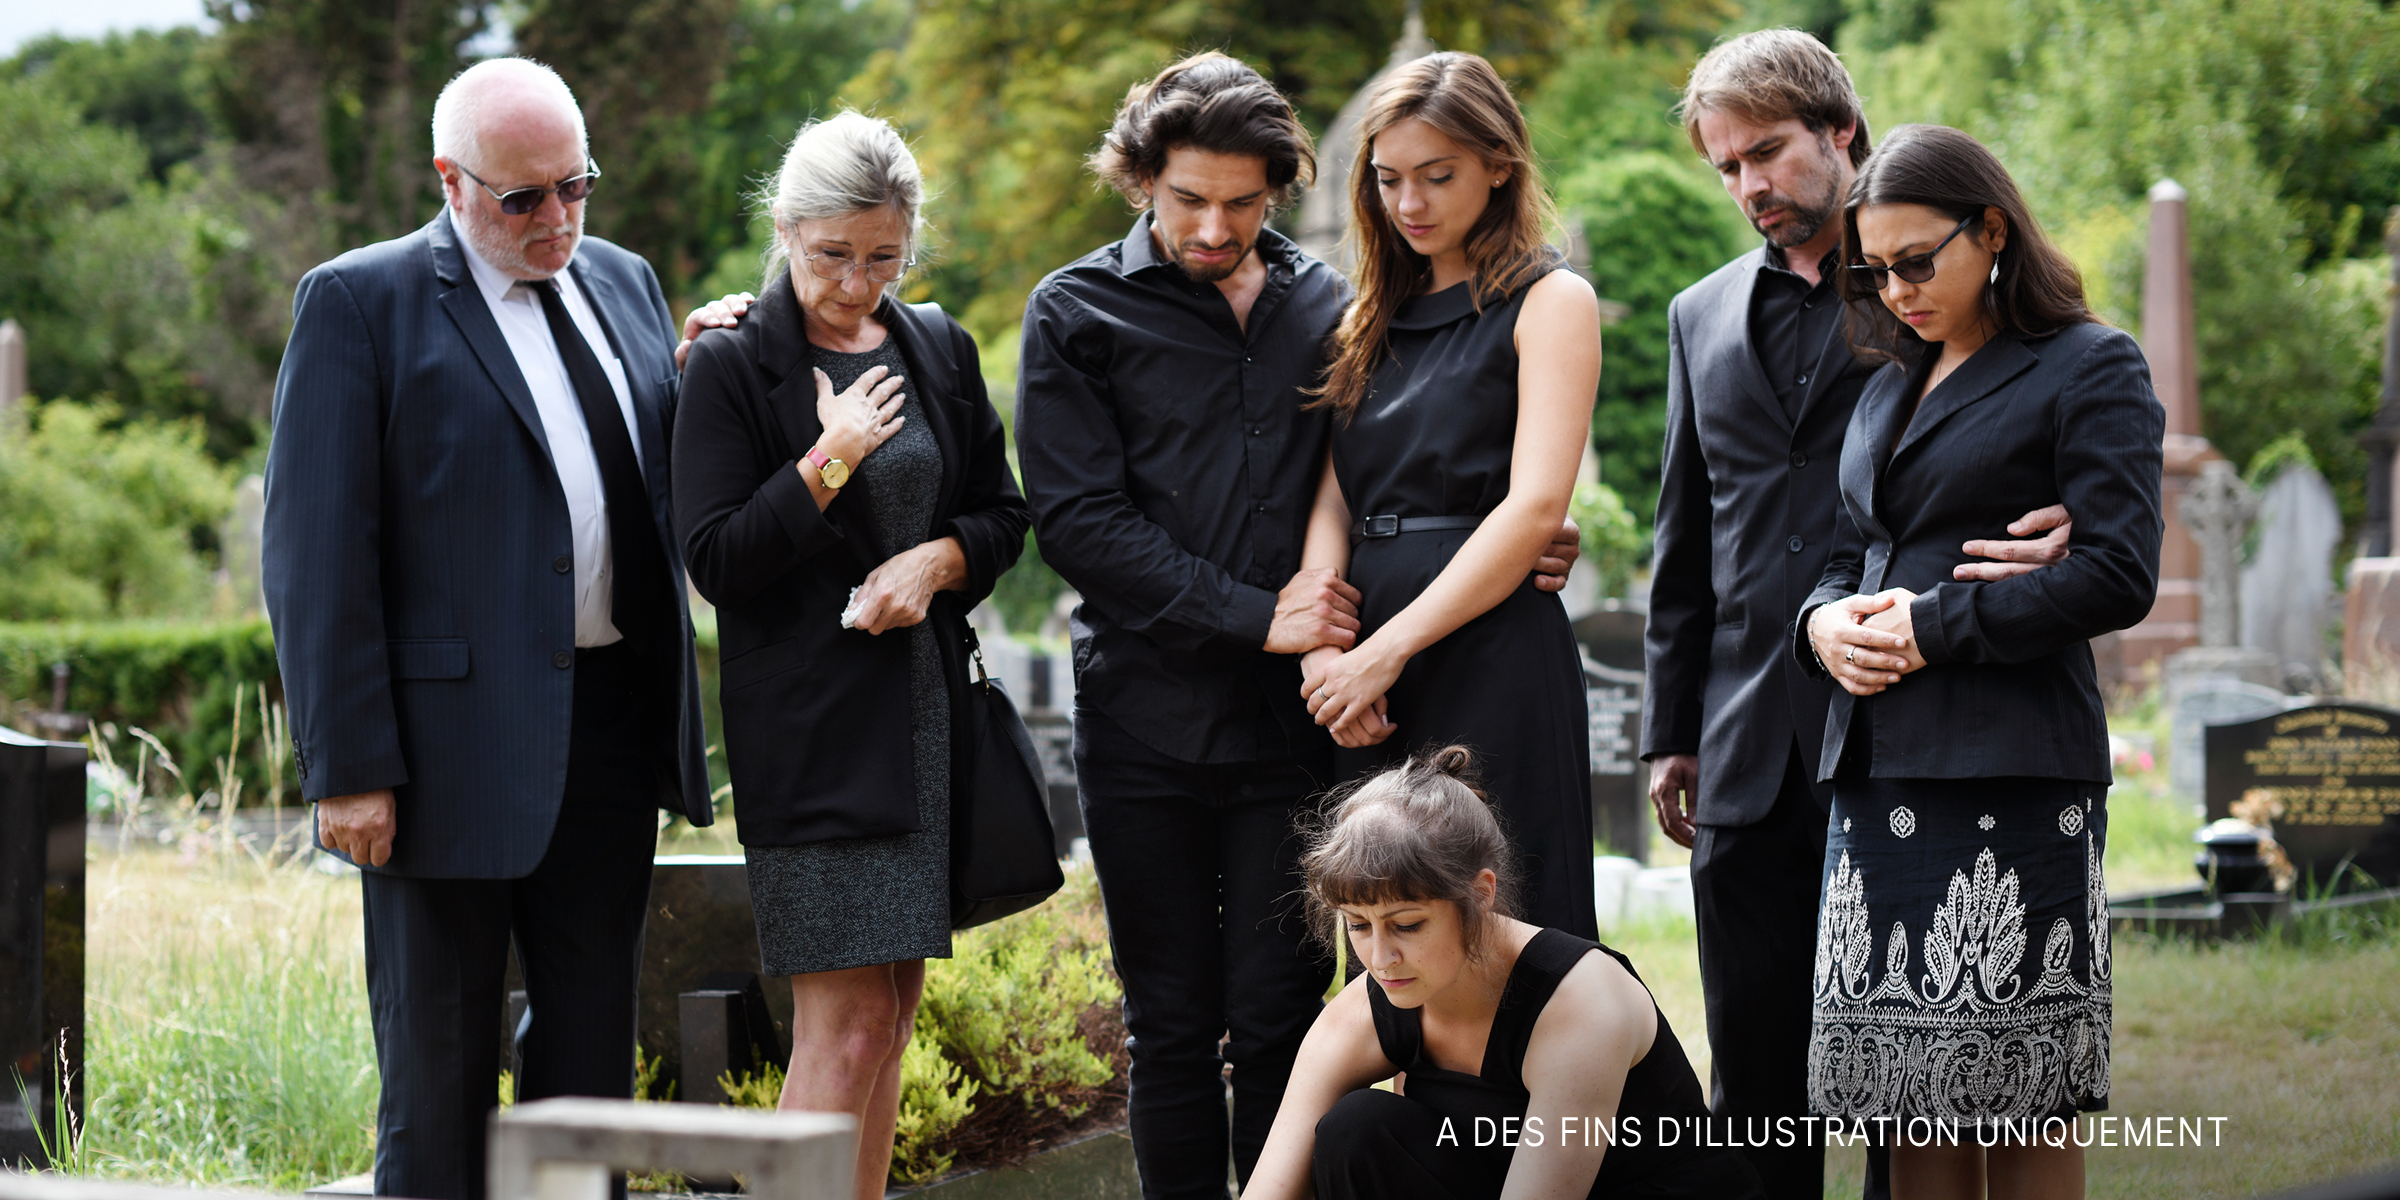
x,y
1199,873
437,953
1754,897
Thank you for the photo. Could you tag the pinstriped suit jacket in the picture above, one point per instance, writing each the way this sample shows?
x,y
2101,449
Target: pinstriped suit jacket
x,y
413,529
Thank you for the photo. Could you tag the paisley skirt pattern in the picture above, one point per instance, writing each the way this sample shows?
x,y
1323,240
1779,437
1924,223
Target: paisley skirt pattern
x,y
1931,999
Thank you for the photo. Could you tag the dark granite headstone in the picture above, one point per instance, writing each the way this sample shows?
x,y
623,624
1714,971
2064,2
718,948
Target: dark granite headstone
x,y
702,937
1053,735
1611,638
2336,770
41,939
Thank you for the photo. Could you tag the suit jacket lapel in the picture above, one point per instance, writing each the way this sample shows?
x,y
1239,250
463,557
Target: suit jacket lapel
x,y
2000,360
784,351
1736,355
1873,425
465,304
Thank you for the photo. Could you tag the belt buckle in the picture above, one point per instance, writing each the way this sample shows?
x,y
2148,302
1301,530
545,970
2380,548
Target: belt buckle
x,y
1384,526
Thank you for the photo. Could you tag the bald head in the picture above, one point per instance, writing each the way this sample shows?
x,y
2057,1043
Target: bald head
x,y
505,107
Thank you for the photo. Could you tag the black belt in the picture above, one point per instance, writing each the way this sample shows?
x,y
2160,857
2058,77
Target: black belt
x,y
1391,526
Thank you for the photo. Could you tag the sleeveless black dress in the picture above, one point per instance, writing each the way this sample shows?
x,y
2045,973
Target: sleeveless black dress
x,y
1424,1143
1433,438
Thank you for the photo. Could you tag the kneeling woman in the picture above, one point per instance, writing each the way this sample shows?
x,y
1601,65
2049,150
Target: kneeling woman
x,y
1499,1026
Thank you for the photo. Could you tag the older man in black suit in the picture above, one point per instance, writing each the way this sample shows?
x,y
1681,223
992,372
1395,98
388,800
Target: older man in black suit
x,y
1760,385
481,620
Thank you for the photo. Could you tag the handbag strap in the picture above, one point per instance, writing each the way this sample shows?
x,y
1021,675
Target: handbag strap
x,y
983,674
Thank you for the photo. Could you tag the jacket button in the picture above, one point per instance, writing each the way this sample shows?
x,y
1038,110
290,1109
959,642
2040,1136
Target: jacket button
x,y
564,563
566,658
1799,459
1795,544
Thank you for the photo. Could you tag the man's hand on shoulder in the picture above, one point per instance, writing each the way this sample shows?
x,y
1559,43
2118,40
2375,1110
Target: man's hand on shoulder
x,y
1558,558
716,314
1315,609
1675,793
2018,557
360,826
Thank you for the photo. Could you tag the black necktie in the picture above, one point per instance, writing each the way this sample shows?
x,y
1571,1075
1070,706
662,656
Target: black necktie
x,y
640,566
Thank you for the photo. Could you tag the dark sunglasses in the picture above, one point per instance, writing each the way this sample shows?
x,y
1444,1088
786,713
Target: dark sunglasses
x,y
1916,268
516,202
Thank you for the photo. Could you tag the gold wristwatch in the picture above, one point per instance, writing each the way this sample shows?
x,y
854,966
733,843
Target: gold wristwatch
x,y
831,471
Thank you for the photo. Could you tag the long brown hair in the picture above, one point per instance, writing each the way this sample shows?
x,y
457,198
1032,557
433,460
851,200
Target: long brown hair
x,y
1461,96
1418,831
2038,292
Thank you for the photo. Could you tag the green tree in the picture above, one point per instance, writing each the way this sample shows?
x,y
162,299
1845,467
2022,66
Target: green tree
x,y
1656,223
146,83
101,518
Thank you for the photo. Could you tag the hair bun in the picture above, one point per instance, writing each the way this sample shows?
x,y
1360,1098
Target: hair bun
x,y
1457,762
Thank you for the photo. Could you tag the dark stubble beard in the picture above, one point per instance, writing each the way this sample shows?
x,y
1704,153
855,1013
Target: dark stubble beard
x,y
1200,274
1814,202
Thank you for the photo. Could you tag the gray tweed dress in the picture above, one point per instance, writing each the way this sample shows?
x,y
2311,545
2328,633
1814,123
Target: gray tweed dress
x,y
856,902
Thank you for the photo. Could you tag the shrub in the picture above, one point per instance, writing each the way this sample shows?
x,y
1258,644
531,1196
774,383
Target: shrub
x,y
101,519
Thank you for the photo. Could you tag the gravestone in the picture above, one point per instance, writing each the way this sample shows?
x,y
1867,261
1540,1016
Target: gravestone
x,y
41,939
702,940
2287,586
2334,769
2371,629
1611,641
2210,702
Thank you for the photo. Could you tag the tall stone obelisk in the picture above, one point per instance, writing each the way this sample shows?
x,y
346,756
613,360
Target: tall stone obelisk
x,y
2167,340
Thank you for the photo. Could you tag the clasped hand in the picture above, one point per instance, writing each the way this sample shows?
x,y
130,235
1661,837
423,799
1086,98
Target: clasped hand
x,y
899,593
1345,691
861,417
1867,643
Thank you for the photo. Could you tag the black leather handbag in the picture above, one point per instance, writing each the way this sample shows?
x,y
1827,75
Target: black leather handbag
x,y
1003,858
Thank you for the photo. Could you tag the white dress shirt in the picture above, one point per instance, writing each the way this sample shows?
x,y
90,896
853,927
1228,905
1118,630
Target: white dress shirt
x,y
519,313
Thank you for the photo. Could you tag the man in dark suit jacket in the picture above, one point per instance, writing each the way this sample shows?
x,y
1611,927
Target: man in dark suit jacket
x,y
481,620
1760,385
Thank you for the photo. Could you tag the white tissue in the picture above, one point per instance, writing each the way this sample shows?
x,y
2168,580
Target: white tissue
x,y
850,610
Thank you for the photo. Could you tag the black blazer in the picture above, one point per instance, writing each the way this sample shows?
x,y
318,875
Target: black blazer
x,y
1746,506
413,529
2008,686
817,724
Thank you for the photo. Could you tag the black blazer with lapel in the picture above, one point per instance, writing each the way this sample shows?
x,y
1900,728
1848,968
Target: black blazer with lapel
x,y
2008,686
413,528
1745,516
817,724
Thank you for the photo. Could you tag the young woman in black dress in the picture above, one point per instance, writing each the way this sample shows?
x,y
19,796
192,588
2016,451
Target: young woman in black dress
x,y
1462,386
1498,1024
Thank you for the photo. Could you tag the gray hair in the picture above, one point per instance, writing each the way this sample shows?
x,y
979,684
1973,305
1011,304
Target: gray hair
x,y
846,163
458,111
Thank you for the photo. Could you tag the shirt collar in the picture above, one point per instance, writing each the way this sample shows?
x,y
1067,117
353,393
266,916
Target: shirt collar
x,y
1779,260
492,281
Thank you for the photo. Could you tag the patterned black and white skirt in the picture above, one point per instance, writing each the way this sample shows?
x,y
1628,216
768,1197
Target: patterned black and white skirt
x,y
1962,966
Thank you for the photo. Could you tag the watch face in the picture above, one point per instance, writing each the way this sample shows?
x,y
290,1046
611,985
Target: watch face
x,y
834,473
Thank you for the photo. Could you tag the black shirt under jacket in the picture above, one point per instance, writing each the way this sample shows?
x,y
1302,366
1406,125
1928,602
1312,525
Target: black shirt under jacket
x,y
1170,466
1791,323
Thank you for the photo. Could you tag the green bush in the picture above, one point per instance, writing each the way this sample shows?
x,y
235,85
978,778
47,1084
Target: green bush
x,y
1611,540
103,519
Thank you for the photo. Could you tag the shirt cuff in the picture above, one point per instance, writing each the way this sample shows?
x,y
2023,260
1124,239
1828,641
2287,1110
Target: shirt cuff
x,y
1249,615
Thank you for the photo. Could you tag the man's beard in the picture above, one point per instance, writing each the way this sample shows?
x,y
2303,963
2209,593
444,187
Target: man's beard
x,y
1814,202
506,250
1210,274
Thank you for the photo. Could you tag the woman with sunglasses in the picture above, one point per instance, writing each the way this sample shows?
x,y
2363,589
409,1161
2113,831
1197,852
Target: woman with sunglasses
x,y
1962,947
843,499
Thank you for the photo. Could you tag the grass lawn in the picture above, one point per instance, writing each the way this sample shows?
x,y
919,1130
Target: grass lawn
x,y
229,1041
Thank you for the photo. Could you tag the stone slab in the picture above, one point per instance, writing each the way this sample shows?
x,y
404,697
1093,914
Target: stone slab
x,y
2336,770
568,1148
41,938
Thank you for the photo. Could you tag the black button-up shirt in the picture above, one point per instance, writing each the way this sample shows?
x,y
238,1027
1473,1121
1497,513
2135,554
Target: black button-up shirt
x,y
1790,323
1170,467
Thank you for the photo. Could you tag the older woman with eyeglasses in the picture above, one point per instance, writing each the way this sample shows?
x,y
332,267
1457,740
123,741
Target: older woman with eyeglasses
x,y
843,499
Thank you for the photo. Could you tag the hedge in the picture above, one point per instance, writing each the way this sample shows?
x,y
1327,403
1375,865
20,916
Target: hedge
x,y
177,682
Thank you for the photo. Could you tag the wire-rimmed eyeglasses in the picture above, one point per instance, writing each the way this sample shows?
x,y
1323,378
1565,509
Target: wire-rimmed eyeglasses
x,y
825,264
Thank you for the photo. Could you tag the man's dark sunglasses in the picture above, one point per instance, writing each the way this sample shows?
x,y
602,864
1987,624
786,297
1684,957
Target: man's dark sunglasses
x,y
516,202
1916,268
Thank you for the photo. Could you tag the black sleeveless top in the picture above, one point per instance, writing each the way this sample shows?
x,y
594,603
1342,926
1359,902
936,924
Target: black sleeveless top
x,y
1438,426
1659,1090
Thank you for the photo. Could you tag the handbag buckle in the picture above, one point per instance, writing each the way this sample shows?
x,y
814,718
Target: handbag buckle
x,y
983,674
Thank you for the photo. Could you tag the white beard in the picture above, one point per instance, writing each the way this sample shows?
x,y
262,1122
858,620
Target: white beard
x,y
506,250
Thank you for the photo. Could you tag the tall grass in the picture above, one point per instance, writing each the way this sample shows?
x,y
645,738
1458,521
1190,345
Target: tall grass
x,y
229,1041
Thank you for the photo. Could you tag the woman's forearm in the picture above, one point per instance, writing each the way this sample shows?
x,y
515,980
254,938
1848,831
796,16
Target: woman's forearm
x,y
1328,541
1495,561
